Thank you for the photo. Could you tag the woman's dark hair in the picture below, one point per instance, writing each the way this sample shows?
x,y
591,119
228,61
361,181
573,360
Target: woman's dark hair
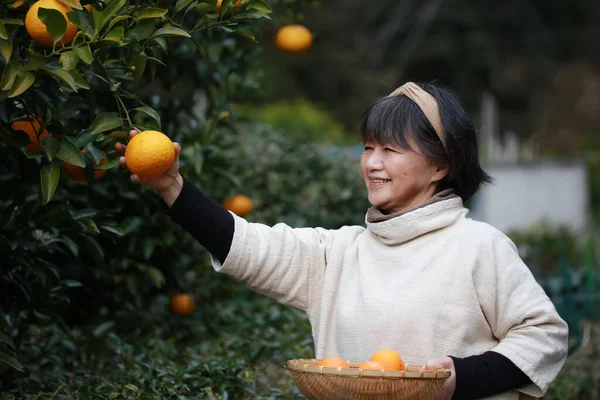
x,y
392,120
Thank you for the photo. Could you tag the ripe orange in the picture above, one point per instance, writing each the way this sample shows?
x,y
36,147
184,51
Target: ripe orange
x,y
334,362
389,358
17,3
78,173
182,304
293,39
219,2
37,29
149,153
375,365
240,205
32,128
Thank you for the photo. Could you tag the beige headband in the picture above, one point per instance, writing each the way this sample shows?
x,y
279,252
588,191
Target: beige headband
x,y
426,103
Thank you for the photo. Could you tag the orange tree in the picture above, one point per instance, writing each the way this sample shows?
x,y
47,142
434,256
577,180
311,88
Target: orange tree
x,y
82,248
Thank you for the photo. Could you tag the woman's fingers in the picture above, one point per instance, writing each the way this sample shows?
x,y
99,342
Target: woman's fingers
x,y
133,132
122,162
177,149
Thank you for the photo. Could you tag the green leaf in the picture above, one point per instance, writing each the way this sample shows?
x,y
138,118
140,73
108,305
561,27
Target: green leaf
x,y
11,361
171,31
69,60
116,35
79,81
156,276
34,60
85,53
105,122
144,29
103,328
41,316
6,340
49,175
100,18
3,34
6,49
246,33
71,283
118,19
151,13
9,75
256,15
132,387
84,21
109,165
139,65
112,229
63,76
69,152
150,112
207,9
56,23
23,82
261,6
180,5
50,145
13,21
72,3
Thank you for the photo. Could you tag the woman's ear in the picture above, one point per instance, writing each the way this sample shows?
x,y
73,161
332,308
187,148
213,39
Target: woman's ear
x,y
441,170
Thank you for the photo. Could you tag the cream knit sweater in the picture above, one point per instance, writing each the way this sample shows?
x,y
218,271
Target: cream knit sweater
x,y
429,283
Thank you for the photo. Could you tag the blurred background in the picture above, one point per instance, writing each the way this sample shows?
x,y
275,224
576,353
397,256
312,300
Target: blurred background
x,y
90,270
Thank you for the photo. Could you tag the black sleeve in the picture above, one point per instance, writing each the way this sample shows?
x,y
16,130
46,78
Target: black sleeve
x,y
486,375
206,220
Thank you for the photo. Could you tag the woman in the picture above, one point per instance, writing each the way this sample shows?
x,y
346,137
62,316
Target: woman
x,y
421,278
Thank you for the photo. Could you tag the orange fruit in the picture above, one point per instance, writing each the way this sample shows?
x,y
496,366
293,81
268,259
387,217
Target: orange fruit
x,y
375,365
17,3
182,304
334,362
219,2
240,205
389,358
78,173
37,29
88,7
149,153
32,127
293,39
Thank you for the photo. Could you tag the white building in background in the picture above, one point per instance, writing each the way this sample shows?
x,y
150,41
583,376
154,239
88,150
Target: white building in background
x,y
527,189
525,193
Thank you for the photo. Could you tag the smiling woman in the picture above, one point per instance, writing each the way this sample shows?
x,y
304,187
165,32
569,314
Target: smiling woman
x,y
426,282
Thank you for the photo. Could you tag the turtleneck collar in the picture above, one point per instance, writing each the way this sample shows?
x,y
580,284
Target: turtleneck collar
x,y
441,210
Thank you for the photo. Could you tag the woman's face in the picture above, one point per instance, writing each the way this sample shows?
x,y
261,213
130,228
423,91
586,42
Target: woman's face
x,y
398,179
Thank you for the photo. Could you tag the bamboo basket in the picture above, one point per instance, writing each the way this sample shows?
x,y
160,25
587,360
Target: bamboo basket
x,y
325,383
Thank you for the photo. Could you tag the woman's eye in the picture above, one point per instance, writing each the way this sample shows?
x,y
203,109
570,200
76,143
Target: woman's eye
x,y
390,149
368,148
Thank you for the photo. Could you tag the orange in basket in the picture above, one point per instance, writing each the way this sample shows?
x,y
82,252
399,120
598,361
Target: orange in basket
x,y
355,383
389,358
334,362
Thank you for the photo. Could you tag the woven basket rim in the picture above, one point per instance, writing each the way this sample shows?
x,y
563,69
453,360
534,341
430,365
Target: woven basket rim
x,y
412,371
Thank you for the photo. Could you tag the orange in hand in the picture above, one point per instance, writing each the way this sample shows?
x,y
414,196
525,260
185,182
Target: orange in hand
x,y
149,153
389,358
334,362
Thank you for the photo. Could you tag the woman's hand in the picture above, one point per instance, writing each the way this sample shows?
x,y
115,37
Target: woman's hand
x,y
450,384
168,184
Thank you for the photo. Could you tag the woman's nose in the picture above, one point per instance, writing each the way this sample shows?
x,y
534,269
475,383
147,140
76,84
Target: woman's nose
x,y
374,161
